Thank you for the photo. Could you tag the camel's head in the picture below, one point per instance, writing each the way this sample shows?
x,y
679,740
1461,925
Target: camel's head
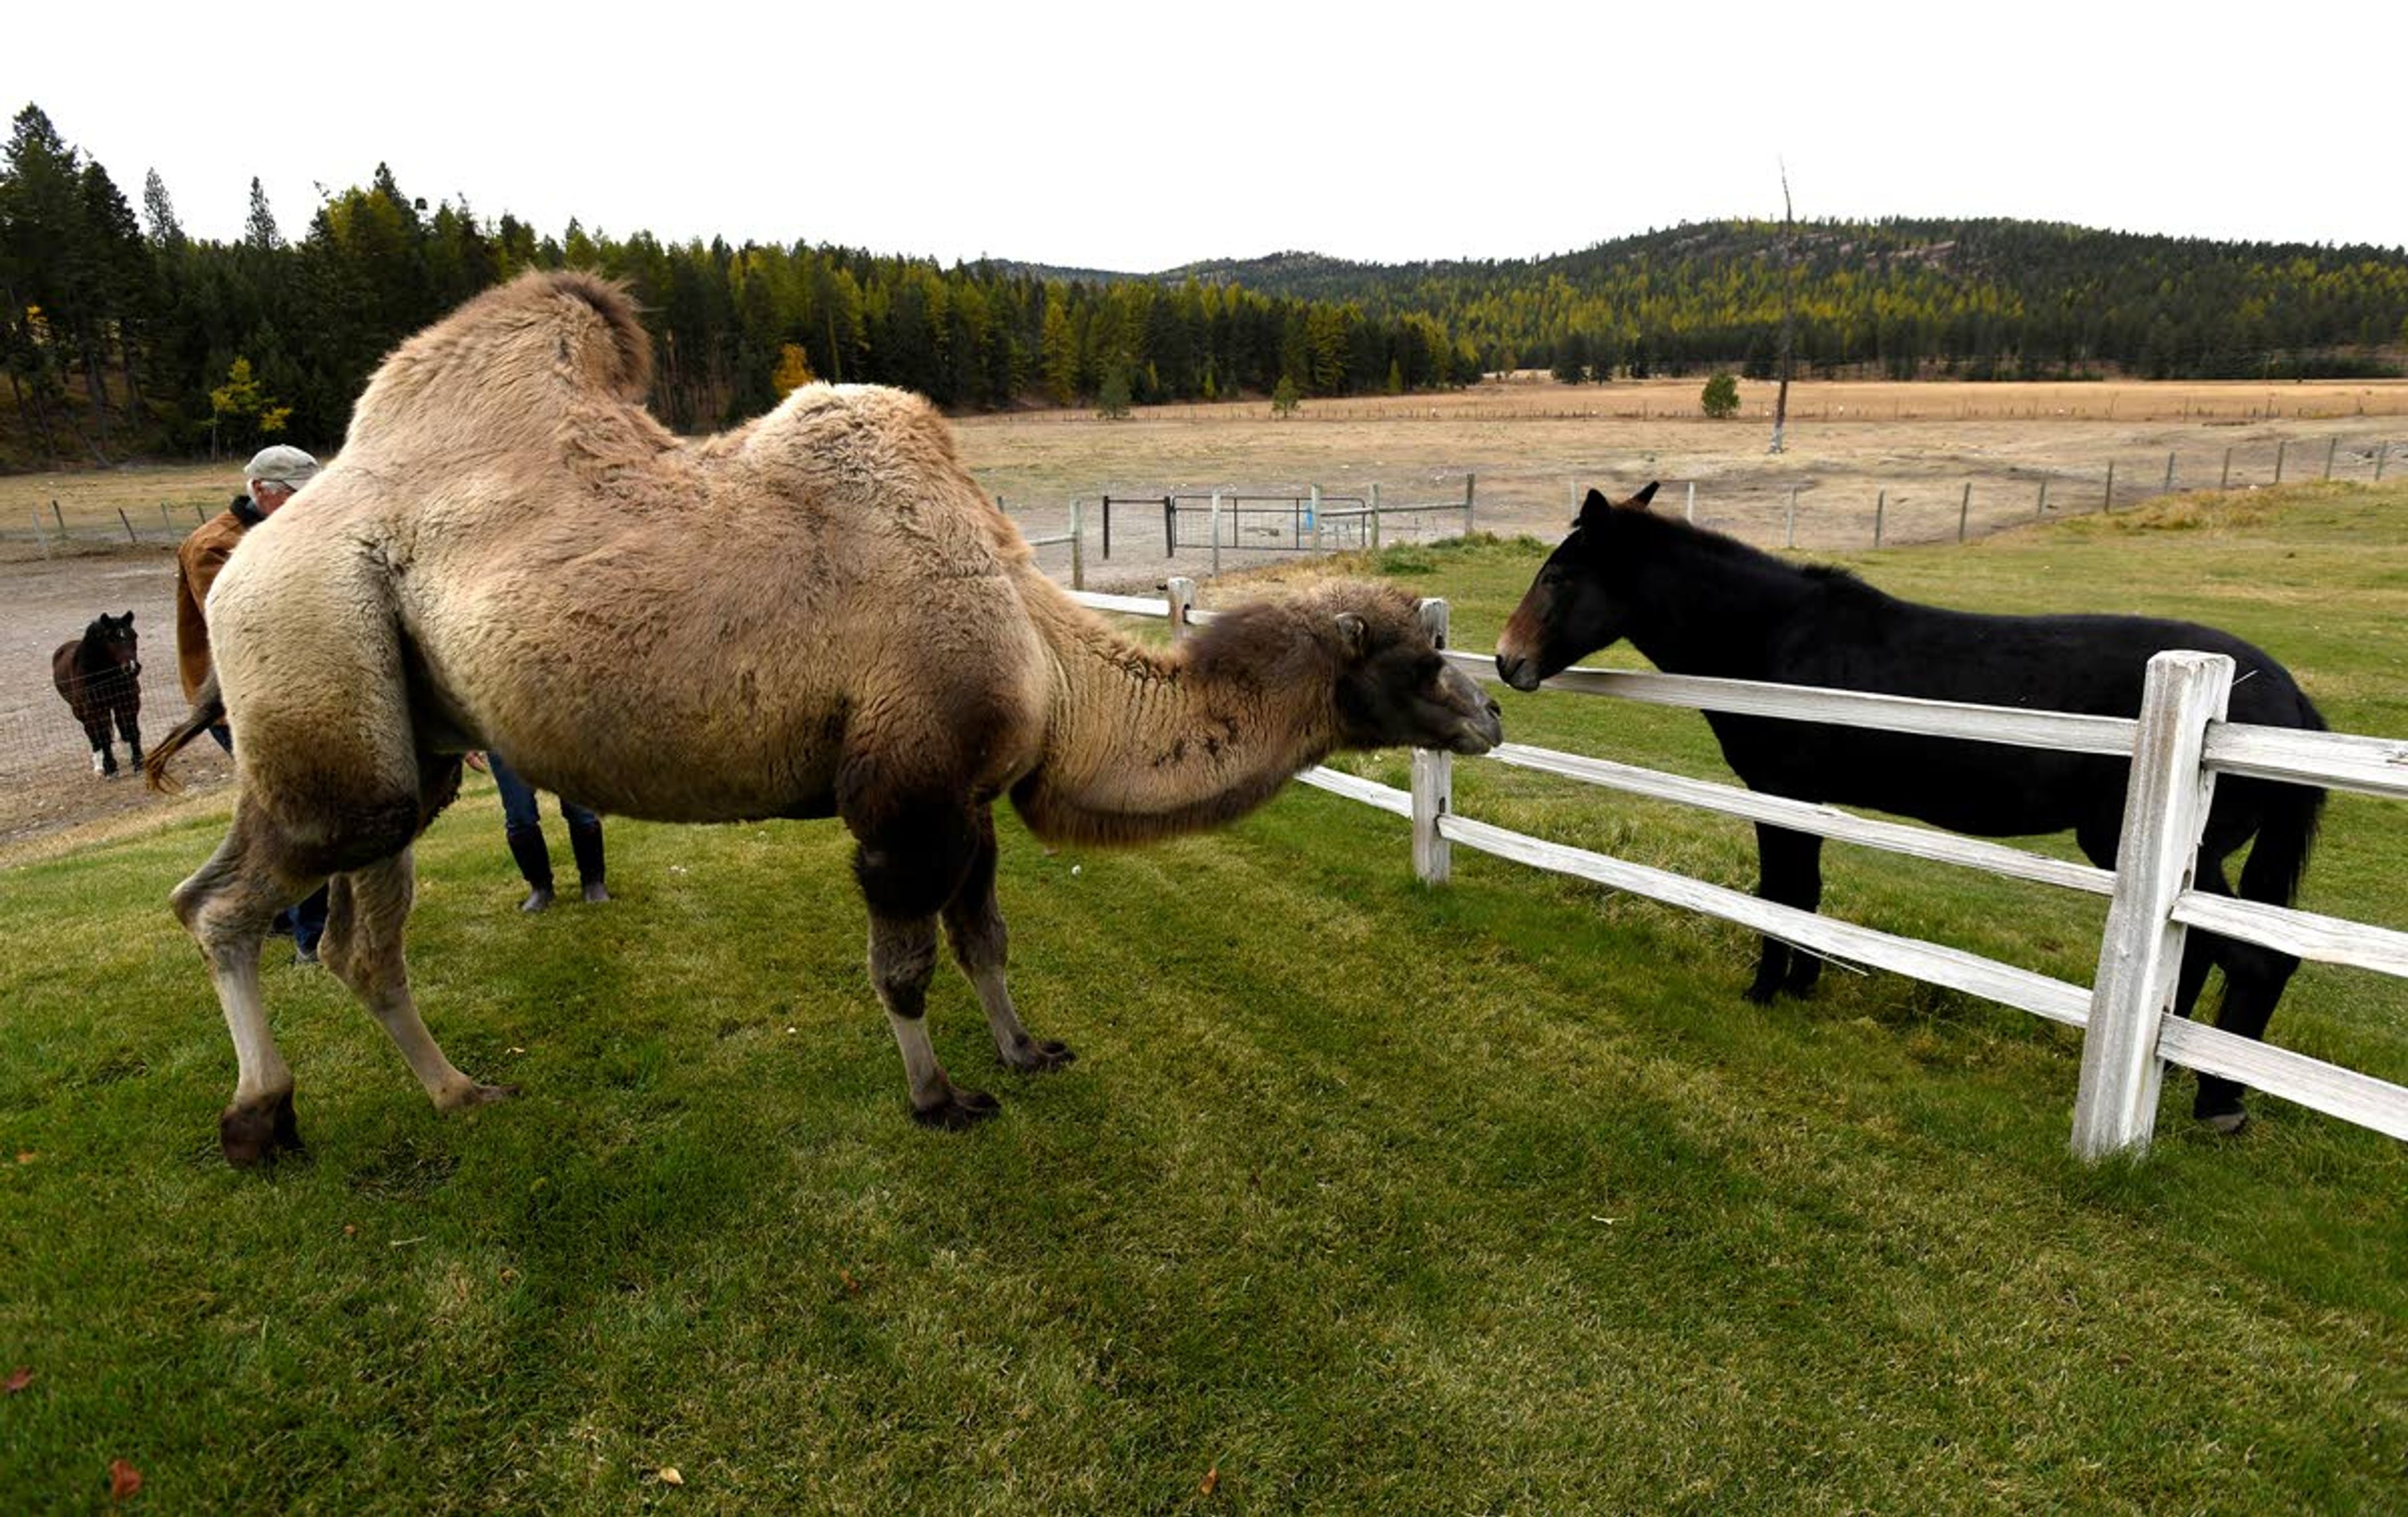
x,y
1395,689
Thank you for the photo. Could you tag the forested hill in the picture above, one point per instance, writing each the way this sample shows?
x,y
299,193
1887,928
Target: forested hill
x,y
1900,298
121,336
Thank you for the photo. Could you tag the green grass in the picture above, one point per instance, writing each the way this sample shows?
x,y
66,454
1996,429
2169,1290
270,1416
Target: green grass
x,y
1362,1196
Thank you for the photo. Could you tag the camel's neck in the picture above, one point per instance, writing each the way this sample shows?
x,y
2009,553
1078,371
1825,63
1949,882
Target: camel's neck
x,y
1145,744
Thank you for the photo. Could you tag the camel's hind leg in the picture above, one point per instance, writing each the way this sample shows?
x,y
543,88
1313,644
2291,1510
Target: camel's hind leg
x,y
975,923
226,906
366,912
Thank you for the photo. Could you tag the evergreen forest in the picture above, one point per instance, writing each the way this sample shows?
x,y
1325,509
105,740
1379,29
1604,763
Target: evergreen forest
x,y
123,337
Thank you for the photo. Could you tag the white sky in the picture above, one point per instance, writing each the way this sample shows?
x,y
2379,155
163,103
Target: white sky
x,y
1135,137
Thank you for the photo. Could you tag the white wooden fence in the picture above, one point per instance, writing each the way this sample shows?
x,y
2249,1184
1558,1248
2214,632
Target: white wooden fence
x,y
2179,744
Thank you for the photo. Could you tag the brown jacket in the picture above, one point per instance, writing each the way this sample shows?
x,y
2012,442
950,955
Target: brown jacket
x,y
197,563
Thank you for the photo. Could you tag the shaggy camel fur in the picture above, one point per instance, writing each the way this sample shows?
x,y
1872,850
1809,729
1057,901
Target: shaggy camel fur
x,y
818,614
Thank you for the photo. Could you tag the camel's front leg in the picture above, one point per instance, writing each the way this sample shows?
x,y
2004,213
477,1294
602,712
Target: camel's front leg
x,y
981,944
366,912
902,957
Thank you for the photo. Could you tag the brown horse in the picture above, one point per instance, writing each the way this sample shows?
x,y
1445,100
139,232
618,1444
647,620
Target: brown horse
x,y
820,614
100,675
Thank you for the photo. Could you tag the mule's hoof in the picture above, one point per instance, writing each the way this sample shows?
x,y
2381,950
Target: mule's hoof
x,y
1760,993
251,1135
2228,1123
1035,1057
966,1108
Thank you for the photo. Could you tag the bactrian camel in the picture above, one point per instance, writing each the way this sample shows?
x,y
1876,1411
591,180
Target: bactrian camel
x,y
818,614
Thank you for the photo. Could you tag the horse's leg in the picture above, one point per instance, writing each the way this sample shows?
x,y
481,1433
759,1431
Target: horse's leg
x,y
226,906
95,731
366,912
975,923
1789,872
911,861
129,726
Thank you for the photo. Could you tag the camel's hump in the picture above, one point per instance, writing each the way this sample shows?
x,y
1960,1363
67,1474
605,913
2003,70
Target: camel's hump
x,y
542,333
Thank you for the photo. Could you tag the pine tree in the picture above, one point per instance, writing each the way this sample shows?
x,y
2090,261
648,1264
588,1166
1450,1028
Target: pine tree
x,y
259,230
159,212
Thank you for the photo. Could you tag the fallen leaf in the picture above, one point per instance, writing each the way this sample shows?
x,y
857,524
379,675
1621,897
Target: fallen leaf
x,y
669,1475
351,1230
1211,1480
19,1378
25,1155
852,1286
124,1480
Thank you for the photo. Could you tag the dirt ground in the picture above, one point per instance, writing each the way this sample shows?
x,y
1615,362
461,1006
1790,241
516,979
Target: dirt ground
x,y
1917,456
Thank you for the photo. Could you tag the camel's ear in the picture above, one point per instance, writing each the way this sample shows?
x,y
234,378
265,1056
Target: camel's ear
x,y
1354,635
1639,502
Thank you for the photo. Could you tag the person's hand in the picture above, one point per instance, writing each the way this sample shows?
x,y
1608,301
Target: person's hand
x,y
475,760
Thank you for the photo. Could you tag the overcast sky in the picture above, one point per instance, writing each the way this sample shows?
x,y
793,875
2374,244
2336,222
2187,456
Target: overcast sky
x,y
1136,136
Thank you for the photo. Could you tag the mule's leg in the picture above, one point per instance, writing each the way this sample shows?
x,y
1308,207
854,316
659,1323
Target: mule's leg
x,y
226,906
1789,872
975,923
911,860
366,912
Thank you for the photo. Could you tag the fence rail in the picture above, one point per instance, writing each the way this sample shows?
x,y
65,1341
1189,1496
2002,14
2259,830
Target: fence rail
x,y
2178,745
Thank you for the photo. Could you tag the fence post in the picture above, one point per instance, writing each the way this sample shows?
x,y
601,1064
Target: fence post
x,y
1790,530
1881,508
41,532
2331,447
1078,547
165,525
1170,526
1107,529
1689,513
2042,509
2140,956
1312,514
129,525
1964,508
2226,482
1433,783
60,517
2170,474
1216,534
2282,445
2382,451
1375,515
1467,482
1181,591
200,512
2107,501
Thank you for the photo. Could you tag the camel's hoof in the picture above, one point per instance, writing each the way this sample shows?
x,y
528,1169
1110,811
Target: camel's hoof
x,y
964,1108
488,1094
2228,1123
1033,1057
256,1135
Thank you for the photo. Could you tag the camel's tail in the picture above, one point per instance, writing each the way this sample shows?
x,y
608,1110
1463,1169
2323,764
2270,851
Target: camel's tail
x,y
208,709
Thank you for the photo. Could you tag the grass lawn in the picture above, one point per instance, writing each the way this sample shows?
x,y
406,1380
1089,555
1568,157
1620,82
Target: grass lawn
x,y
1362,1195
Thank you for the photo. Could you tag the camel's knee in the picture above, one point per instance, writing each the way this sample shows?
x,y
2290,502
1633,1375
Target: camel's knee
x,y
902,960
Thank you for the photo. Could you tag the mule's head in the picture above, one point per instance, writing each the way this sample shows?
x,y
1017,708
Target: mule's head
x,y
1574,607
1394,689
112,638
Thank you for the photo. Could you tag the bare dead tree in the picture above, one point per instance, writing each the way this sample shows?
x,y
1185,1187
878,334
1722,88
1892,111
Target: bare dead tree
x,y
1788,306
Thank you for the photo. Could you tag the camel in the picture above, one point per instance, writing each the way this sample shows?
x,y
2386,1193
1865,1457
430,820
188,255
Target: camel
x,y
817,614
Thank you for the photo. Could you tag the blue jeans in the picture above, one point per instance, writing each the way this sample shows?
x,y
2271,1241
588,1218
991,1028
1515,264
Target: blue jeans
x,y
518,799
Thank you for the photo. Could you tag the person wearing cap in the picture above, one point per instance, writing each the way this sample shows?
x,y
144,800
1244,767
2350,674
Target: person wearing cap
x,y
273,476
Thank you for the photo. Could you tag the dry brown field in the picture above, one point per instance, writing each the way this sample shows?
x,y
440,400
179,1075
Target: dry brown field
x,y
1911,449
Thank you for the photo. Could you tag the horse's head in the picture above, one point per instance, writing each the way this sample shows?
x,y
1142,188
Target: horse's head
x,y
110,639
1573,607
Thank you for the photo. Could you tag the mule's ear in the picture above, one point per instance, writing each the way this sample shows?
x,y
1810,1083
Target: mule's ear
x,y
1593,509
1639,502
1354,635
127,618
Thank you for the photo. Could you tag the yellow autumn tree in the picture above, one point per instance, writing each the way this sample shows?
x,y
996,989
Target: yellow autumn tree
x,y
794,370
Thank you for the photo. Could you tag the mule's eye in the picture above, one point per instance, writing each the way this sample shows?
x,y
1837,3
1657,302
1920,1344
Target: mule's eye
x,y
1429,668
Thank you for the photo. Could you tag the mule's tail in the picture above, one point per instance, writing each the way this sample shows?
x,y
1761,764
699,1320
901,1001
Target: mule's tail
x,y
208,709
2287,833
